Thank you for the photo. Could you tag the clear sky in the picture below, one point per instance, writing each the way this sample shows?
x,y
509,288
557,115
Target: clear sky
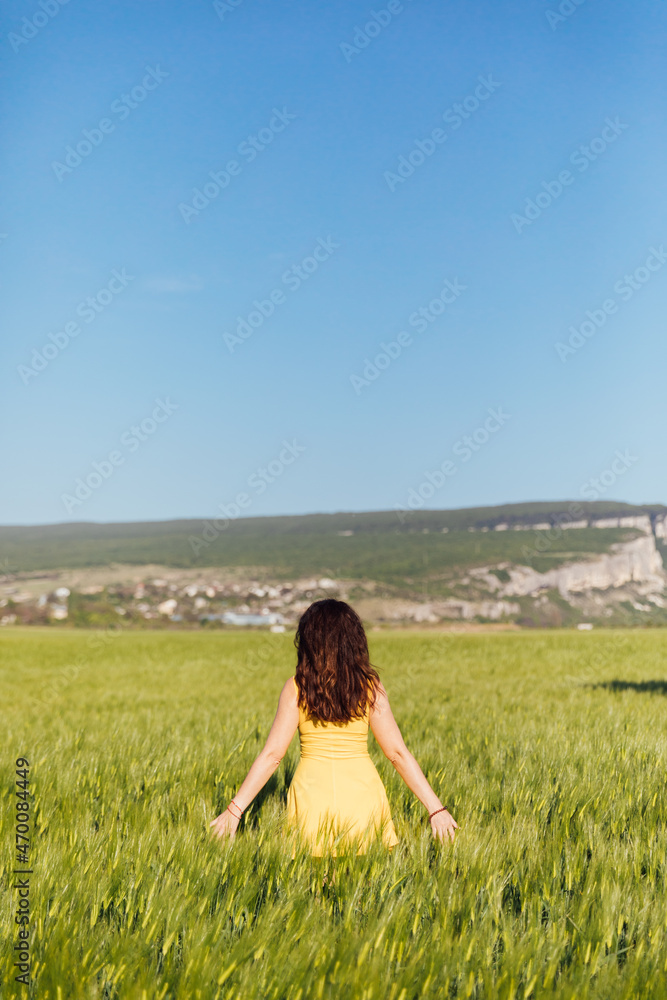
x,y
497,165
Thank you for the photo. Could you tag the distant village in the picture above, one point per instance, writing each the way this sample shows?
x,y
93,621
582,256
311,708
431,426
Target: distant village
x,y
157,601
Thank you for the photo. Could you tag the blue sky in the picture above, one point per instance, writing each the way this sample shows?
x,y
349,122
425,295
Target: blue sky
x,y
337,96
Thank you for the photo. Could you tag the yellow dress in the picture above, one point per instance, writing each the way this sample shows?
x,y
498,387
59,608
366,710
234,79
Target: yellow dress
x,y
336,798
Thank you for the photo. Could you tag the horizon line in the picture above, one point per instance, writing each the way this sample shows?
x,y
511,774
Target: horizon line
x,y
320,513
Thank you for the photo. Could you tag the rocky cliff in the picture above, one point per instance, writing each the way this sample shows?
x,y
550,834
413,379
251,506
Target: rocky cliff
x,y
637,561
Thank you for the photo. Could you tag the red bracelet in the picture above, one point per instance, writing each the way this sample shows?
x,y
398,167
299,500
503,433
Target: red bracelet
x,y
232,803
444,809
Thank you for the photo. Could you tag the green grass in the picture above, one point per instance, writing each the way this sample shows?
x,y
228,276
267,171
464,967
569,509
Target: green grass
x,y
554,888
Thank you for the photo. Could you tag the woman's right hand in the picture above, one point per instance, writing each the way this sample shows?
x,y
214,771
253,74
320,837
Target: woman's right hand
x,y
444,825
224,825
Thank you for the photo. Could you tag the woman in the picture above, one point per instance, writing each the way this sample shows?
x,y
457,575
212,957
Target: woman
x,y
336,796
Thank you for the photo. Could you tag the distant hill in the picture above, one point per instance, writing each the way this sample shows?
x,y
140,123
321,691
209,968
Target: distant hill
x,y
387,546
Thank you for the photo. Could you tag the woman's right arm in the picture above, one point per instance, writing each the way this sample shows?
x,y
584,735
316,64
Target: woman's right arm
x,y
386,732
267,761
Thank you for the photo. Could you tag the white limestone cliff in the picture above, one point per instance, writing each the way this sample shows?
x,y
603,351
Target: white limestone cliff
x,y
637,561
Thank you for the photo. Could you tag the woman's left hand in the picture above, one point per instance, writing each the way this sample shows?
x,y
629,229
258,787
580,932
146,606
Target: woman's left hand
x,y
444,825
224,825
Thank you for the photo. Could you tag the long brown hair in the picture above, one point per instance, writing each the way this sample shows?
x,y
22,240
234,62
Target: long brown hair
x,y
333,673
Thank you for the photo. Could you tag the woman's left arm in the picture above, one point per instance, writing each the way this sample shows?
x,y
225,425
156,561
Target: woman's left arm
x,y
267,761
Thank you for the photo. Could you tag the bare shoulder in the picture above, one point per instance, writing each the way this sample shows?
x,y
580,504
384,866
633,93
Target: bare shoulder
x,y
288,707
289,691
381,698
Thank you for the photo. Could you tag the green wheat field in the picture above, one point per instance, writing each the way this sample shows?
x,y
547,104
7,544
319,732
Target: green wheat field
x,y
548,747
